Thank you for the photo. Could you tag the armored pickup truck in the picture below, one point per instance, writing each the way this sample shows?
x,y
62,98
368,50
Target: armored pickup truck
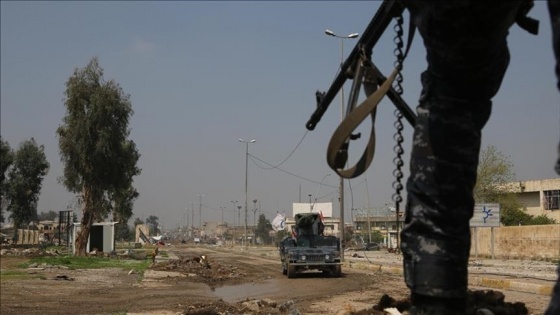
x,y
309,249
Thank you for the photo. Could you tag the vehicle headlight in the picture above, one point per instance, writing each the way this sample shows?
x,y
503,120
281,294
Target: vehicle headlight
x,y
303,257
327,257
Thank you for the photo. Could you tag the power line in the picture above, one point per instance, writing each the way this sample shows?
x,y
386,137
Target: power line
x,y
289,155
326,195
253,158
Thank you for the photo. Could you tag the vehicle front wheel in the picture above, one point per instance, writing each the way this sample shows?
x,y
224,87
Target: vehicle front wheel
x,y
291,271
337,271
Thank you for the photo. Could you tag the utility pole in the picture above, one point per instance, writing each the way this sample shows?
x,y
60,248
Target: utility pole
x,y
192,216
200,212
254,211
234,202
246,183
239,215
254,221
187,216
223,225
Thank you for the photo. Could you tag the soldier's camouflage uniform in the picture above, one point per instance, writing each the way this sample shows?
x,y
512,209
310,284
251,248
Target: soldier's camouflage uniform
x,y
467,56
554,10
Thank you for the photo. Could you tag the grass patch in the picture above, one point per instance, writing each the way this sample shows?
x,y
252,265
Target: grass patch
x,y
17,275
89,262
163,254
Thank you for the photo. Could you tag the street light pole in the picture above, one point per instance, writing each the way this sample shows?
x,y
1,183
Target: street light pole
x,y
341,185
246,183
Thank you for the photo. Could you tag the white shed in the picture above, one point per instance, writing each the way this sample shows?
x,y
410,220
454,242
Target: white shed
x,y
101,237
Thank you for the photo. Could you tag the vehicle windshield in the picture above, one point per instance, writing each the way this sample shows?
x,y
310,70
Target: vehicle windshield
x,y
303,241
325,241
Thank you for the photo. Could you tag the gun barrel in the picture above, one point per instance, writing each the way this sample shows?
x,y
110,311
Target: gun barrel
x,y
372,33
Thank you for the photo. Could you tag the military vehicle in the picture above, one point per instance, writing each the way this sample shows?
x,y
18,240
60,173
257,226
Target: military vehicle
x,y
308,249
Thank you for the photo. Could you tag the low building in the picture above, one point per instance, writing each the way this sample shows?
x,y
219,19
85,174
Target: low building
x,y
540,197
47,230
381,220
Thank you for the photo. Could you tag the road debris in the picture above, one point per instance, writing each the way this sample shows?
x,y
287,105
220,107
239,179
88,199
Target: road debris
x,y
207,270
63,277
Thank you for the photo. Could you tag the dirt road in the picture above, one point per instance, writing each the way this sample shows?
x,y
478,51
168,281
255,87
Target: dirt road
x,y
230,282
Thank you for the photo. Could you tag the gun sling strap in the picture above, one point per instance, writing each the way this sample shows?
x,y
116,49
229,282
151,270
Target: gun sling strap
x,y
338,145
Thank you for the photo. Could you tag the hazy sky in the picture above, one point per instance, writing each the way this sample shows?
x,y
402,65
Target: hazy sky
x,y
202,74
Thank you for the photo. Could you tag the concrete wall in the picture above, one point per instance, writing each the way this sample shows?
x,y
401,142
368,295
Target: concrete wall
x,y
517,242
541,184
27,236
144,229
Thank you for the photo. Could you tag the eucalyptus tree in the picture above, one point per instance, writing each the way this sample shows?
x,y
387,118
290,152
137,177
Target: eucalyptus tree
x,y
263,228
495,171
25,179
153,224
50,215
6,160
99,159
138,221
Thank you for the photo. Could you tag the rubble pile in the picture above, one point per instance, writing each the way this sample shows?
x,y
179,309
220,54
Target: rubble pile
x,y
493,301
249,306
33,252
208,270
479,302
214,308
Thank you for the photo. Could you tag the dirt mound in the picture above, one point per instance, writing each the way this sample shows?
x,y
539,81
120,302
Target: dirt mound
x,y
203,269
